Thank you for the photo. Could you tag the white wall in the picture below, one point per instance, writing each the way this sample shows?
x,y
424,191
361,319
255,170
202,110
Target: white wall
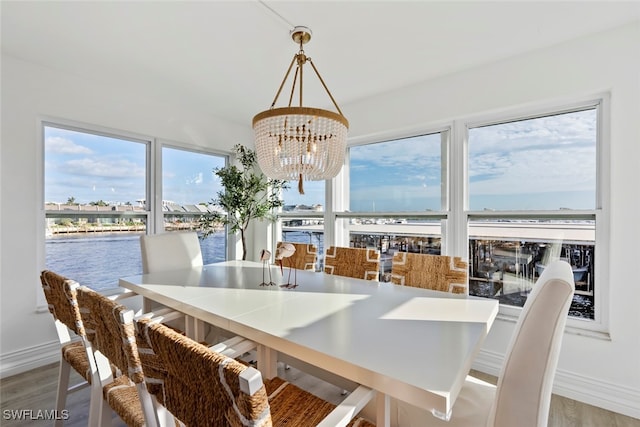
x,y
28,92
603,372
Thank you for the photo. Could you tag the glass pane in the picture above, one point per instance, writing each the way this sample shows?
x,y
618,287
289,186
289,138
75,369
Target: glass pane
x,y
305,230
83,168
391,235
93,257
507,257
546,163
312,199
397,176
94,206
189,184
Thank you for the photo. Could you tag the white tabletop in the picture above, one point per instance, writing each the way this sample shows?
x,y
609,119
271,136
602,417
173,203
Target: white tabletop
x,y
412,344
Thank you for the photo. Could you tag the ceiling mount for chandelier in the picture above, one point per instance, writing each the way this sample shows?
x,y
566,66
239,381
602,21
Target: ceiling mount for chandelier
x,y
297,142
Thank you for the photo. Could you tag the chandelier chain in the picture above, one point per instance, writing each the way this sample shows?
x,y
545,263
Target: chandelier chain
x,y
283,82
325,87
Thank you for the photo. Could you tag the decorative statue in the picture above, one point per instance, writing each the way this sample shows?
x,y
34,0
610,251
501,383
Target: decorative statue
x,y
265,256
285,250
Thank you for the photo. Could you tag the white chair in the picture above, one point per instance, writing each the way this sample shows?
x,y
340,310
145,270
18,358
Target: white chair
x,y
523,393
170,251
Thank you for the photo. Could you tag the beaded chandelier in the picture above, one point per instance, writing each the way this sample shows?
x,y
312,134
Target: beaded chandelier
x,y
300,143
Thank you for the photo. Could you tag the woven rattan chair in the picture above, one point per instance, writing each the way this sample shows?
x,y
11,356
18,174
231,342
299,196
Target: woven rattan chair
x,y
110,330
60,293
202,387
353,262
304,258
437,272
523,394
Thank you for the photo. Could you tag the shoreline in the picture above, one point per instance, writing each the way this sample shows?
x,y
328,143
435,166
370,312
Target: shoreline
x,y
52,231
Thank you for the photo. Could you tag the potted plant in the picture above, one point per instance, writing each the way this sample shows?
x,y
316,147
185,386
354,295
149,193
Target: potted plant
x,y
246,194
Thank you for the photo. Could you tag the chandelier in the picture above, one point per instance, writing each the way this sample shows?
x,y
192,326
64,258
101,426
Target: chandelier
x,y
300,143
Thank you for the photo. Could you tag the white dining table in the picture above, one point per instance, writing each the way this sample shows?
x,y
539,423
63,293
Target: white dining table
x,y
406,343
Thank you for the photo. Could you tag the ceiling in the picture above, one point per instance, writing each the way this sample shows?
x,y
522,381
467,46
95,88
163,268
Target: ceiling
x,y
227,58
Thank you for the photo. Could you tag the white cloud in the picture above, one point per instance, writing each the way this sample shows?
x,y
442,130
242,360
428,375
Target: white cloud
x,y
537,171
555,153
421,151
105,167
60,145
197,179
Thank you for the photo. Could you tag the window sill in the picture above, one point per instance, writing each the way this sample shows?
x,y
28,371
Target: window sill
x,y
585,328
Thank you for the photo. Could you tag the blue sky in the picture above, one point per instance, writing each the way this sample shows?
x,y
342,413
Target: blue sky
x,y
544,163
402,175
92,168
189,177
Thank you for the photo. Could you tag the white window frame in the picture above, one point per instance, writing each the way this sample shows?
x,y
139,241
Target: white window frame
x,y
49,121
153,212
341,189
457,215
157,190
598,327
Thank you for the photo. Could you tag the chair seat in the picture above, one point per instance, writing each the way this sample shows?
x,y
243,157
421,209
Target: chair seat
x,y
283,396
76,356
470,410
122,397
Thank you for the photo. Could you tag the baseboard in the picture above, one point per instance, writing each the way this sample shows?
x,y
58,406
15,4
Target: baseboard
x,y
29,358
614,397
606,395
488,362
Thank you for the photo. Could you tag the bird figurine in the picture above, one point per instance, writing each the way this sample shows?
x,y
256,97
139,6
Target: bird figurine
x,y
265,256
285,250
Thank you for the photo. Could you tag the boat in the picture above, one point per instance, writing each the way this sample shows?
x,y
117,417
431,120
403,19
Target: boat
x,y
579,273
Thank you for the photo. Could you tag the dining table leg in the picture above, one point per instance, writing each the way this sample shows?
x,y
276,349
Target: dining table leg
x,y
267,362
147,305
383,410
194,328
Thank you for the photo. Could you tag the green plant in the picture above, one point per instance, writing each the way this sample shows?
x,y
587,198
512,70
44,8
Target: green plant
x,y
246,194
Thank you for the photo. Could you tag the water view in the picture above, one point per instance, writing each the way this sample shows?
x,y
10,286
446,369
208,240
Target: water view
x,y
499,268
98,260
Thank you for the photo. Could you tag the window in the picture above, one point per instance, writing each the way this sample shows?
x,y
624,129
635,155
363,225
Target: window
x,y
397,196
509,192
95,186
541,163
96,202
301,219
532,196
405,175
189,184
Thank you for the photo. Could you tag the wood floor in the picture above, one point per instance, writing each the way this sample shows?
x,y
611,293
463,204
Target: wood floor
x,y
36,390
